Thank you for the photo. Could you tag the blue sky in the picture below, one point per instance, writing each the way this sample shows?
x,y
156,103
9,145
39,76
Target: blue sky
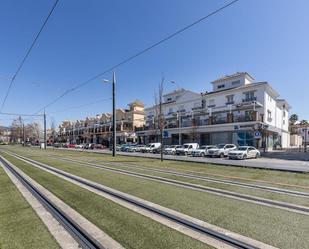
x,y
267,38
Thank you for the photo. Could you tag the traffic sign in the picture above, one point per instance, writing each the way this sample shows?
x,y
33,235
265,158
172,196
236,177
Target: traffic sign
x,y
165,134
257,135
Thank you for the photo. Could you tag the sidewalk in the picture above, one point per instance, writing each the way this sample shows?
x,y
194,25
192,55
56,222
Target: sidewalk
x,y
288,154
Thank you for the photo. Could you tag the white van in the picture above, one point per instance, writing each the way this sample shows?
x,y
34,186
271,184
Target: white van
x,y
150,147
186,149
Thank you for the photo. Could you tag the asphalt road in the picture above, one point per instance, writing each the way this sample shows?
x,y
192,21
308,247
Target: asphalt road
x,y
261,163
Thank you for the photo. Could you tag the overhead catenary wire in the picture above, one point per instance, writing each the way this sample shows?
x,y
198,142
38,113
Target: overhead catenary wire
x,y
80,106
136,55
27,54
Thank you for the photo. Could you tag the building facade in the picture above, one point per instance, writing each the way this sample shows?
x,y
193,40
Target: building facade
x,y
99,129
238,110
302,130
5,135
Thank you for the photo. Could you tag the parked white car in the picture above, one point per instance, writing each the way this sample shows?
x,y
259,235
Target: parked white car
x,y
221,150
186,149
202,151
244,152
172,149
150,147
79,146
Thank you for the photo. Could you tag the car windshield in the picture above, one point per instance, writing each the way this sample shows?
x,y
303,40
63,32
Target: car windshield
x,y
242,148
220,146
178,146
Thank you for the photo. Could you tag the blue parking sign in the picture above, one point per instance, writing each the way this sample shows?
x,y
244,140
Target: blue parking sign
x,y
257,135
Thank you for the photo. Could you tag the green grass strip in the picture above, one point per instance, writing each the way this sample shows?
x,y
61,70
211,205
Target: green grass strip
x,y
127,227
20,227
270,225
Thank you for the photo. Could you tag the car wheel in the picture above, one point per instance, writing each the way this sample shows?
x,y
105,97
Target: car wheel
x,y
202,154
244,157
221,155
257,155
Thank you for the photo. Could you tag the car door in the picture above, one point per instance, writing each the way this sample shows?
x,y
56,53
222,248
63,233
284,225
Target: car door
x,y
227,149
251,152
190,149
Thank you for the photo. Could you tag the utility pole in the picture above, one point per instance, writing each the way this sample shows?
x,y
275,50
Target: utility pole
x,y
45,134
24,135
305,144
160,117
179,127
114,116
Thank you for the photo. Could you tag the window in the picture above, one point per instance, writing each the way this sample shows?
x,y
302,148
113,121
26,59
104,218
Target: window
x,y
269,114
182,108
211,102
230,98
170,110
235,83
284,114
249,95
169,99
220,86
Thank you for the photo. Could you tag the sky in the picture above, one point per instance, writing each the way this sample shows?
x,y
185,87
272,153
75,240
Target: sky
x,y
267,38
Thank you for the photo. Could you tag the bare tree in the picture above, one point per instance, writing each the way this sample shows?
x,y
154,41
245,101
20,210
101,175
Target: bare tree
x,y
16,130
53,129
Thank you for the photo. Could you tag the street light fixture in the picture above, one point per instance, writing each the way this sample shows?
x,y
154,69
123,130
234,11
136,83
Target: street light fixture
x,y
114,112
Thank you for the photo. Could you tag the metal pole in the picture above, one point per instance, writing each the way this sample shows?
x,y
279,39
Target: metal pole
x,y
45,135
306,130
179,128
114,116
160,115
24,135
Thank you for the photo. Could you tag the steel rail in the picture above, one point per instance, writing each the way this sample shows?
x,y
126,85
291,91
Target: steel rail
x,y
81,236
191,176
225,193
204,230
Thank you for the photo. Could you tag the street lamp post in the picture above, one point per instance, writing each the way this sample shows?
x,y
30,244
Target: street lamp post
x,y
305,142
114,113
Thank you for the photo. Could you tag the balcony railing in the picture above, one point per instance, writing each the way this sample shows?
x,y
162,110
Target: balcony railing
x,y
249,99
188,122
219,121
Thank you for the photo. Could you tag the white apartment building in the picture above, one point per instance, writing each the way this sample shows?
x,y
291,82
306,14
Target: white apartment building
x,y
238,110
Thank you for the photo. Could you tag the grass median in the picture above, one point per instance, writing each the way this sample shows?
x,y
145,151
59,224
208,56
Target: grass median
x,y
270,225
295,181
127,227
20,227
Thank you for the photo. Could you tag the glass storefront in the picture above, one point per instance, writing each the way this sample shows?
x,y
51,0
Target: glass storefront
x,y
244,138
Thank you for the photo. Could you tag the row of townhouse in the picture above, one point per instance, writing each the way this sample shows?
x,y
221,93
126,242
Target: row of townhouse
x,y
238,110
300,134
99,129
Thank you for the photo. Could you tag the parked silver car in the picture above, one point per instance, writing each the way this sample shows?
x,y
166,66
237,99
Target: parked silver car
x,y
221,150
171,150
244,152
202,151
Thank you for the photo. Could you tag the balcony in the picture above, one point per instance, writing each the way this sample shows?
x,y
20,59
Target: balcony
x,y
197,108
219,121
206,121
230,102
249,99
